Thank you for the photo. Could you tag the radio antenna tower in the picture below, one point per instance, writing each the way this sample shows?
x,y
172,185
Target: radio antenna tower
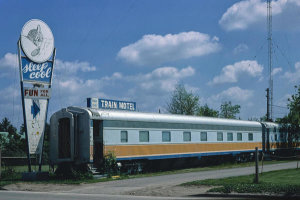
x,y
269,24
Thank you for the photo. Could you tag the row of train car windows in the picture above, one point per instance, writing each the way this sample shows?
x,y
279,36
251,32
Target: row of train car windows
x,y
166,136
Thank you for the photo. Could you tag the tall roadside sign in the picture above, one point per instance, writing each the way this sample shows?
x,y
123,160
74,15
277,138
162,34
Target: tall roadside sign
x,y
36,54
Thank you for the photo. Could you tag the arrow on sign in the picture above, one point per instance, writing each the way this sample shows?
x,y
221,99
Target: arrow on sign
x,y
35,109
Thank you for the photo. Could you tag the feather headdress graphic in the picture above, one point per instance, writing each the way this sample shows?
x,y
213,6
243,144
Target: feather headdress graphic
x,y
36,37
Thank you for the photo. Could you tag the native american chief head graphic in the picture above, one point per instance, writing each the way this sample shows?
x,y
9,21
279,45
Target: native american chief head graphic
x,y
36,37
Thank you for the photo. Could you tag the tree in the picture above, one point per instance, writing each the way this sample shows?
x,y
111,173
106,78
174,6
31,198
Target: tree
x,y
229,111
294,107
183,102
14,144
290,124
206,111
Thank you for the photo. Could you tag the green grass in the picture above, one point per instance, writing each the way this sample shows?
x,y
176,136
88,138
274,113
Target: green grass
x,y
16,174
24,168
209,168
277,182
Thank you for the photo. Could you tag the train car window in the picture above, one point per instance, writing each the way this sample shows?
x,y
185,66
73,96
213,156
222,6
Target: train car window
x,y
239,137
203,136
250,136
229,136
91,123
166,136
282,137
144,136
220,136
186,136
124,136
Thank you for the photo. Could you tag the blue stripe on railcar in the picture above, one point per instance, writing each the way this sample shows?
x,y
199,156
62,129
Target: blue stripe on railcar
x,y
199,155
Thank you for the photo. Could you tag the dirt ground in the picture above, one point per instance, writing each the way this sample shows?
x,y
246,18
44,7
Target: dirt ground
x,y
175,191
39,187
170,191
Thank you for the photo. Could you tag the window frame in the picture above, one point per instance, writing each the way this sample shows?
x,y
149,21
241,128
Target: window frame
x,y
218,133
250,138
148,136
126,138
187,133
203,139
239,138
162,136
230,133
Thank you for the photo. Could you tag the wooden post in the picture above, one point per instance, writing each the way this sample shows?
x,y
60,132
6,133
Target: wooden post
x,y
262,162
0,163
256,165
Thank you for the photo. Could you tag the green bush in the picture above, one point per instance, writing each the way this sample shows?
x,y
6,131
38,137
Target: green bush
x,y
110,164
74,172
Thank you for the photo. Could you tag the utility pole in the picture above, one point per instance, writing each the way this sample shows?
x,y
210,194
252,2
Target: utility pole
x,y
268,104
267,136
269,26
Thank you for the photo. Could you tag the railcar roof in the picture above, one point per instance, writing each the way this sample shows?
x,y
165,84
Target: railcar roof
x,y
158,117
271,124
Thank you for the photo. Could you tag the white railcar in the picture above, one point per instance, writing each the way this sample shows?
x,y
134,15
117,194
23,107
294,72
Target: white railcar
x,y
84,135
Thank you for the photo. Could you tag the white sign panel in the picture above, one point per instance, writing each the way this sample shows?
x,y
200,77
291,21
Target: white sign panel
x,y
35,111
37,93
95,103
37,41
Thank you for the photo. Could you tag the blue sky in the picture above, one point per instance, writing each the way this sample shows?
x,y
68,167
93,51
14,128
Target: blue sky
x,y
139,50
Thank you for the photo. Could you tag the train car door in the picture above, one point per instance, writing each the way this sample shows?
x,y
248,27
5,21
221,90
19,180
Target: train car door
x,y
98,142
66,137
265,138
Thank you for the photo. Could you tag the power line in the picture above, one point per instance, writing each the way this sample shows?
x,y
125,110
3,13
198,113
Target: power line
x,y
284,56
285,107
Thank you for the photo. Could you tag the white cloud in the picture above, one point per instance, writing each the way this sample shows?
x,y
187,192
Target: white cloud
x,y
276,71
233,93
148,88
73,67
9,61
157,49
10,104
240,48
152,90
231,73
9,93
293,77
162,79
245,13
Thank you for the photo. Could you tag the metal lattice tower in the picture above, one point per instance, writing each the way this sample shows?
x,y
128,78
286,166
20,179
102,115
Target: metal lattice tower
x,y
269,24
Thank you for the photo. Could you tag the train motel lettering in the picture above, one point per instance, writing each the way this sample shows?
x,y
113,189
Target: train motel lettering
x,y
126,106
110,104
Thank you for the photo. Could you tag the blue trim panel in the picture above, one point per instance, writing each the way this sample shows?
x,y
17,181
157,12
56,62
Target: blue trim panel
x,y
199,155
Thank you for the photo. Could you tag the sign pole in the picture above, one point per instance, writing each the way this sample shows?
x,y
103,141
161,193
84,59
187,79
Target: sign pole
x,y
41,154
23,105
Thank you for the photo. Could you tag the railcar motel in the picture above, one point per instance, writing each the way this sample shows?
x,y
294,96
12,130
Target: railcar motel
x,y
142,141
